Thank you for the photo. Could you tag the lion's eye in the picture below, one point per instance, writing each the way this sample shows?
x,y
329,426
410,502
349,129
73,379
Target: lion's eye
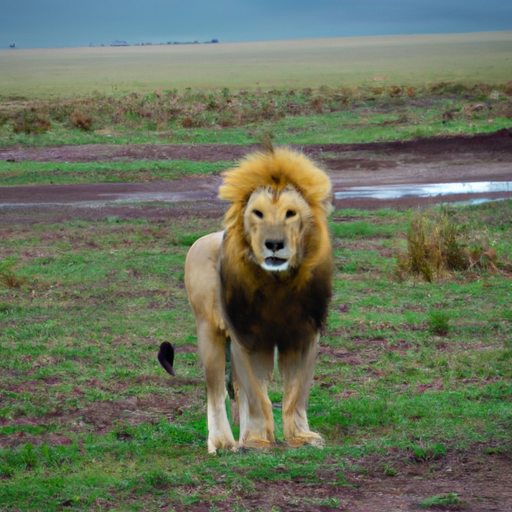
x,y
290,213
258,214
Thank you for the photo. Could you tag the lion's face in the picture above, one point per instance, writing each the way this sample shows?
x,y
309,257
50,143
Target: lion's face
x,y
275,224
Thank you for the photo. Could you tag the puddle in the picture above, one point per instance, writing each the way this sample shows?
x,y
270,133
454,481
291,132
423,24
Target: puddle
x,y
387,192
97,195
55,196
162,197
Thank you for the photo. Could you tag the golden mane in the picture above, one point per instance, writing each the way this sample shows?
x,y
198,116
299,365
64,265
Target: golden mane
x,y
276,169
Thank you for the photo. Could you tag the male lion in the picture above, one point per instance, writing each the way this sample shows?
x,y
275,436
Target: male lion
x,y
264,282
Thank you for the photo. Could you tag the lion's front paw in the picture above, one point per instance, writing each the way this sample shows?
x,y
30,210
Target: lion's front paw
x,y
257,442
223,444
301,438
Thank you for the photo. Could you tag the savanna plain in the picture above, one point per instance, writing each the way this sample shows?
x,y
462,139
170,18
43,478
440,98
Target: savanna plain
x,y
412,389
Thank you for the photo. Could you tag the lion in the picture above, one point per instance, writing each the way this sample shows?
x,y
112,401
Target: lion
x,y
260,287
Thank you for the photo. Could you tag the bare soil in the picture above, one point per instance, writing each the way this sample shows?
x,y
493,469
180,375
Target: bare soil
x,y
481,482
481,475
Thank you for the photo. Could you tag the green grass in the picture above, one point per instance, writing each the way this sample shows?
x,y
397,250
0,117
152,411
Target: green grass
x,y
440,500
413,59
92,421
46,173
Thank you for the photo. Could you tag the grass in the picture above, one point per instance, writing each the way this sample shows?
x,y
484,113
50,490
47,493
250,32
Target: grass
x,y
46,173
90,421
291,116
388,60
440,501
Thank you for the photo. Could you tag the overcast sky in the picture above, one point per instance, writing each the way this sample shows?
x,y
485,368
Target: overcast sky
x,y
56,23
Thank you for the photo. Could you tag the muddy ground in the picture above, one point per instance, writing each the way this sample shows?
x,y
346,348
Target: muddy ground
x,y
481,476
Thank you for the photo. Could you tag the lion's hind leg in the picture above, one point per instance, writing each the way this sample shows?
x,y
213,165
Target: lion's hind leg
x,y
201,280
297,367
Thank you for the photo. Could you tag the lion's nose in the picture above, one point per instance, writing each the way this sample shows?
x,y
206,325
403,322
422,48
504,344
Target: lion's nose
x,y
274,245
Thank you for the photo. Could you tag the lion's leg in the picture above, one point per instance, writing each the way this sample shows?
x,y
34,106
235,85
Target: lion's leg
x,y
297,369
211,348
252,371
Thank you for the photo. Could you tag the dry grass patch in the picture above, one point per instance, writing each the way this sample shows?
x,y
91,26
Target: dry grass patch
x,y
437,245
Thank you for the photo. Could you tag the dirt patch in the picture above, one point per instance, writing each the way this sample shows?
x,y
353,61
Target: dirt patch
x,y
435,148
340,354
479,478
103,416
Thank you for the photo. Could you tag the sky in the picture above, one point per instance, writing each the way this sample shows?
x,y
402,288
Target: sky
x,y
66,23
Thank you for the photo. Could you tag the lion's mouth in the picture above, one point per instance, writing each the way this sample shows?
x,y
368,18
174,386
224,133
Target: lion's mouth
x,y
273,263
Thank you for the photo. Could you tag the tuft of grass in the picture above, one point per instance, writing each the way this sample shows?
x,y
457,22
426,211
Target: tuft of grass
x,y
8,277
389,470
438,322
437,244
426,452
440,500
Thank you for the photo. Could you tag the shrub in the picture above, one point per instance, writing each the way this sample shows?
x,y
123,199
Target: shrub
x,y
187,122
395,91
31,123
81,120
436,244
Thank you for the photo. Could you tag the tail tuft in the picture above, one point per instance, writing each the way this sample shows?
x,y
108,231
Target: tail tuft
x,y
166,357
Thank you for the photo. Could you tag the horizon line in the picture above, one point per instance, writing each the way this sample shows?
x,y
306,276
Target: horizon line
x,y
177,43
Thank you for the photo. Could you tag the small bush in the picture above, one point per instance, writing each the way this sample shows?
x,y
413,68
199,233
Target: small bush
x,y
436,244
317,104
81,121
31,123
395,91
187,122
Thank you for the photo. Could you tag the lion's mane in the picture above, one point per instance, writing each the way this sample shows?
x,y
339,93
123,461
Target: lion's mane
x,y
277,170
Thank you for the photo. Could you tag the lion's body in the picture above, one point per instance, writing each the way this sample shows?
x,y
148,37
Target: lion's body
x,y
263,283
